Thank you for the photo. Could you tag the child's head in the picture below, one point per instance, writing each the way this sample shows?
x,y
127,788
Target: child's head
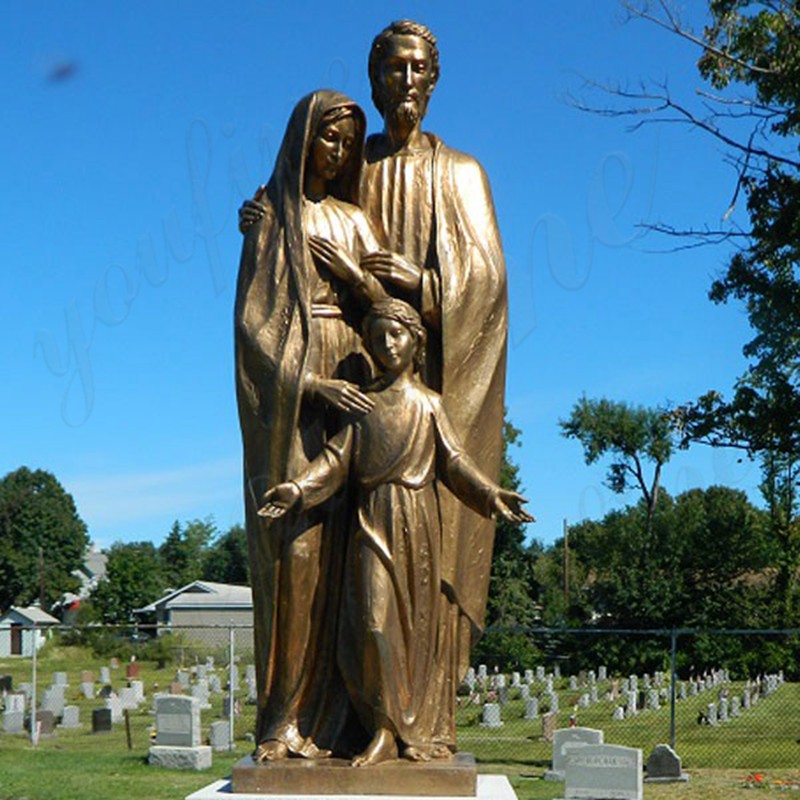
x,y
387,326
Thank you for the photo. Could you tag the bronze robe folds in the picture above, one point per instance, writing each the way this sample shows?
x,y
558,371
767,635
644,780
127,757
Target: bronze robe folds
x,y
390,635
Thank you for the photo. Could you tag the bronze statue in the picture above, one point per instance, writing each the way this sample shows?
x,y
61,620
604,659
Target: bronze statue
x,y
313,264
389,636
432,205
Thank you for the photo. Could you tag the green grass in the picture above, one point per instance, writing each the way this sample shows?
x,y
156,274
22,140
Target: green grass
x,y
76,765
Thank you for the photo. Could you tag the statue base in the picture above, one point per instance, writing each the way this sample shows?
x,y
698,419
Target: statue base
x,y
489,787
456,777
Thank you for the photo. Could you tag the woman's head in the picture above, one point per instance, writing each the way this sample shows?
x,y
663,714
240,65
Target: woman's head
x,y
394,335
333,143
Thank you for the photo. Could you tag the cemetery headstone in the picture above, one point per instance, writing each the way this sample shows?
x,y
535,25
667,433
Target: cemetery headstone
x,y
540,674
46,721
652,700
13,721
557,672
664,766
735,707
101,720
602,673
178,735
114,705
723,710
87,690
549,725
127,698
60,679
219,734
524,692
114,663
87,676
573,683
177,721
16,702
184,678
53,701
6,683
528,676
603,771
711,714
105,675
516,680
503,695
133,670
584,701
71,717
531,708
553,698
619,714
569,736
491,716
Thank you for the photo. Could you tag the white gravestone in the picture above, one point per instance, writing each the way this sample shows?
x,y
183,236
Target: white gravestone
x,y
606,771
602,674
491,716
531,708
569,736
71,717
177,721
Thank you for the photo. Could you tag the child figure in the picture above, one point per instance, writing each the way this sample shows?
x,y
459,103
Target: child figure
x,y
391,644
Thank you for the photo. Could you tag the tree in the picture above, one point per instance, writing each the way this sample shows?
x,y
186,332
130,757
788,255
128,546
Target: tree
x,y
631,436
42,539
182,552
133,579
512,600
751,59
226,560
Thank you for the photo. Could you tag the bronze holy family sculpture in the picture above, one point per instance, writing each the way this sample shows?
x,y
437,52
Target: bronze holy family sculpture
x,y
371,318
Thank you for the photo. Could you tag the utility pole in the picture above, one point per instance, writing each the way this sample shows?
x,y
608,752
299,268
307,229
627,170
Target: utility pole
x,y
41,577
566,568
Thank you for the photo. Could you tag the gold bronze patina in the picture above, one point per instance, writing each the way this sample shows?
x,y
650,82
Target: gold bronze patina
x,y
371,321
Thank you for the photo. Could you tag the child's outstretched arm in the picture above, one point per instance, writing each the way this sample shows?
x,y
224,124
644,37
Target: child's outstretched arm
x,y
280,499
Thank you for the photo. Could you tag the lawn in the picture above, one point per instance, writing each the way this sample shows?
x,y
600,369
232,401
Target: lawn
x,y
76,765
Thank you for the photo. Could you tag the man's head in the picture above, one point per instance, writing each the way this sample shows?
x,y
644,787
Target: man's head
x,y
403,70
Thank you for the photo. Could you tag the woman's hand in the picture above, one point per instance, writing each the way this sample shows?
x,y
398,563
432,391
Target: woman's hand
x,y
394,269
250,213
340,394
508,504
278,500
336,259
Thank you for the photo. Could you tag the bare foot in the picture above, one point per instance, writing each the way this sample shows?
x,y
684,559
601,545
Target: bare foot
x,y
310,750
415,754
441,751
271,750
382,748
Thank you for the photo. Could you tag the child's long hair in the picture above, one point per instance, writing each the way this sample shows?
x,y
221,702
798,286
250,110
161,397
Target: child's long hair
x,y
406,315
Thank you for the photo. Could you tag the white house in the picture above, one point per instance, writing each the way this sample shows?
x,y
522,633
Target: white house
x,y
18,636
204,610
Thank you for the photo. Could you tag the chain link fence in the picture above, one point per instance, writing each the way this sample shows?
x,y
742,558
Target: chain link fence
x,y
724,700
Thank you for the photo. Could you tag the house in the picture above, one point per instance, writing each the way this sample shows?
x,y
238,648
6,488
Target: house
x,y
89,573
22,629
205,611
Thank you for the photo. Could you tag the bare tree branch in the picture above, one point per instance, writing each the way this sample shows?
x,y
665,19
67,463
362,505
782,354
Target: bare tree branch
x,y
673,24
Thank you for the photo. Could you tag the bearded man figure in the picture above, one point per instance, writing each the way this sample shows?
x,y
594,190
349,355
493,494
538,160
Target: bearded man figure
x,y
442,253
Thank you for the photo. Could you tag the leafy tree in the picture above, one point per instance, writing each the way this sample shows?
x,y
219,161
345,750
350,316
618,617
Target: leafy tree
x,y
226,560
630,436
133,579
512,602
42,538
749,56
182,552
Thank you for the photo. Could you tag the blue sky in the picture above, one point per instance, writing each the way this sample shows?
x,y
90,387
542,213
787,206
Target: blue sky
x,y
120,248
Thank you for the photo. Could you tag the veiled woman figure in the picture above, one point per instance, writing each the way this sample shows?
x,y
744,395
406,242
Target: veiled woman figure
x,y
299,365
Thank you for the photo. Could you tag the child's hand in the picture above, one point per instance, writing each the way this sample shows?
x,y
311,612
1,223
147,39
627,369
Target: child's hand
x,y
278,500
509,505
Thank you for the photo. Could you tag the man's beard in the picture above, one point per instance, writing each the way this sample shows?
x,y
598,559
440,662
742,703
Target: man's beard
x,y
405,114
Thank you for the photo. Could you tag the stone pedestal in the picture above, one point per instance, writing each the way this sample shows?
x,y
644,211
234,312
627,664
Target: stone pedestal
x,y
489,787
456,777
180,757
